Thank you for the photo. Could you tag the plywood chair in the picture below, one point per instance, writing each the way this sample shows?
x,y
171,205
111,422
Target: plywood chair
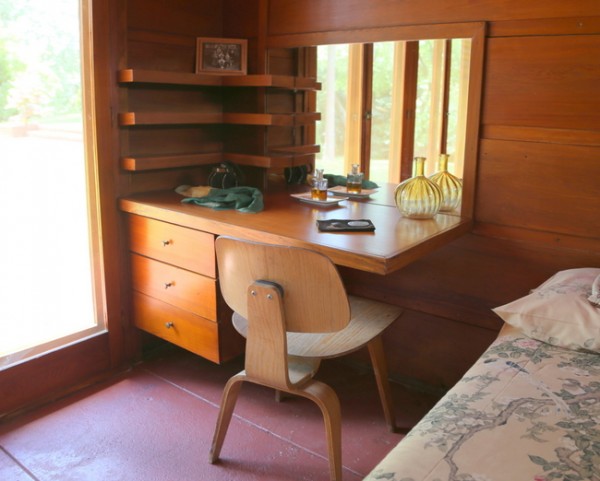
x,y
292,307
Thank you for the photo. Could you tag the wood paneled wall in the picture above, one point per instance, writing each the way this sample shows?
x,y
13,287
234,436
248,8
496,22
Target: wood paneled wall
x,y
538,182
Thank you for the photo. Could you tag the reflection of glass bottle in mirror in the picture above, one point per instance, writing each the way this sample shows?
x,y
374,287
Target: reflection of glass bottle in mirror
x,y
450,185
354,180
418,197
318,189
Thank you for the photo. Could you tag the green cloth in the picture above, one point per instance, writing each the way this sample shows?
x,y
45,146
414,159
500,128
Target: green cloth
x,y
243,199
335,180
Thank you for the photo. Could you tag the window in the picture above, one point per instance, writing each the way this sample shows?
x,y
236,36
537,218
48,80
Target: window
x,y
48,294
383,104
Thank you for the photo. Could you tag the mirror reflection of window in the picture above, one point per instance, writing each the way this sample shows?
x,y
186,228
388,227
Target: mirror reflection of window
x,y
383,104
332,102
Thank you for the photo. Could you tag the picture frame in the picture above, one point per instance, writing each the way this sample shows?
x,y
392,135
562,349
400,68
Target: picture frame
x,y
221,56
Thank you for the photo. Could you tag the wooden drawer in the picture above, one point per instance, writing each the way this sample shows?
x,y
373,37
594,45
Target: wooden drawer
x,y
179,287
188,248
190,331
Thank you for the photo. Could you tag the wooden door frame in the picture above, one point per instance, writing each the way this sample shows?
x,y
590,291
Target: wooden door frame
x,y
48,376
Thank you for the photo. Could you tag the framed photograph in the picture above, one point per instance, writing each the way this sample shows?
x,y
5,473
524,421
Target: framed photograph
x,y
222,56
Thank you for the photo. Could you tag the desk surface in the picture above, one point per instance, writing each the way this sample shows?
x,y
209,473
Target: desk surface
x,y
396,242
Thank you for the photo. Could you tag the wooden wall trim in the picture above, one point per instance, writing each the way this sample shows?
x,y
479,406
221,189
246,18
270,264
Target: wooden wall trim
x,y
109,39
553,26
293,16
540,134
379,34
261,40
584,245
54,373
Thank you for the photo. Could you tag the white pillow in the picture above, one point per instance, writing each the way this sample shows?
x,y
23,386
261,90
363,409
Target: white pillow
x,y
558,312
595,297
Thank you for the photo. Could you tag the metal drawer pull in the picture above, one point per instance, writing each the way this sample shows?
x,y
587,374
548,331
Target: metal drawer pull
x,y
168,325
168,284
165,243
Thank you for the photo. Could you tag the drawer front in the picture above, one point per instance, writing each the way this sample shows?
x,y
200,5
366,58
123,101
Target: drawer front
x,y
191,332
179,287
188,248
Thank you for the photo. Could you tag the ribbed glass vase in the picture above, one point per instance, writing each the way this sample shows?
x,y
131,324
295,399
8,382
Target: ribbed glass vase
x,y
450,185
418,197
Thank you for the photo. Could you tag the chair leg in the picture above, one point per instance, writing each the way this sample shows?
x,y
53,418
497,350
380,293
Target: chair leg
x,y
327,400
381,376
279,395
230,395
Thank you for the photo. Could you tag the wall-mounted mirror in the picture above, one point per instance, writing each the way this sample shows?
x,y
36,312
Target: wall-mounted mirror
x,y
383,99
390,94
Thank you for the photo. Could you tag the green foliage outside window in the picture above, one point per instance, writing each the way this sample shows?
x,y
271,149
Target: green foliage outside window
x,y
40,72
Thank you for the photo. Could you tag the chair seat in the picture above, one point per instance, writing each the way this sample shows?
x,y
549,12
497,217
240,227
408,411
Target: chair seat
x,y
369,319
300,369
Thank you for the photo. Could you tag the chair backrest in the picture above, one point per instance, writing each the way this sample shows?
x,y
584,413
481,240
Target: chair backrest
x,y
314,298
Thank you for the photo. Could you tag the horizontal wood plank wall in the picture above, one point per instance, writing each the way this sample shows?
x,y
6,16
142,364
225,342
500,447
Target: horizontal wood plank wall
x,y
291,16
543,82
538,196
161,35
540,186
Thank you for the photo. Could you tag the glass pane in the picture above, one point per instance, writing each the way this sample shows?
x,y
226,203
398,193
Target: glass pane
x,y
454,102
332,62
422,114
381,113
46,288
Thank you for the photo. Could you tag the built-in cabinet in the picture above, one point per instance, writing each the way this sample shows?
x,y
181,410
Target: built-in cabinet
x,y
175,295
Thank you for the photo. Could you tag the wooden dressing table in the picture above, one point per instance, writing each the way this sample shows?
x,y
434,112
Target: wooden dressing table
x,y
175,291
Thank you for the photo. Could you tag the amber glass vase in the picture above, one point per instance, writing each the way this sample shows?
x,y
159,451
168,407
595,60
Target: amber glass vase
x,y
418,197
449,184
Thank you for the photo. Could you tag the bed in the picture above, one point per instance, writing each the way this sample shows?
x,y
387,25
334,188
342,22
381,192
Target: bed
x,y
529,408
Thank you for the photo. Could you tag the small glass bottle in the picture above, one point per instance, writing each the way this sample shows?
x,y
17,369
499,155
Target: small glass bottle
x,y
418,197
318,189
354,180
450,185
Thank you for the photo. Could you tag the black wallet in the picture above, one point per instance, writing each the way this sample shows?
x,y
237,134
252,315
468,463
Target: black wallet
x,y
345,225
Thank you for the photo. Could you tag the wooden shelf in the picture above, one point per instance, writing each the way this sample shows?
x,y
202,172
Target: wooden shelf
x,y
127,119
131,76
285,120
286,157
163,77
151,162
270,161
169,118
276,158
280,81
298,149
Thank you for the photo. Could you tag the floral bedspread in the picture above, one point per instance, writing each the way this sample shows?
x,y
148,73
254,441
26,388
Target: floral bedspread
x,y
526,411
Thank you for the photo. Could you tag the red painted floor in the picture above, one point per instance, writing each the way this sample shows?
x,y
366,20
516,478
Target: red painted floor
x,y
156,424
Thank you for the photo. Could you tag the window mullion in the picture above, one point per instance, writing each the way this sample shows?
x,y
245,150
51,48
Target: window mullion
x,y
366,108
397,110
461,121
446,96
411,68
